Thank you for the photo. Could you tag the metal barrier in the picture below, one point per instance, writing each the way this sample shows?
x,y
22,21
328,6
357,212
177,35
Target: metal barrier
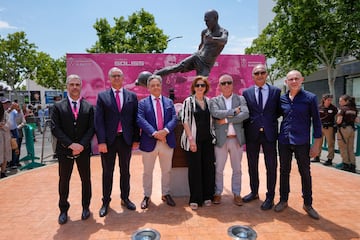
x,y
356,142
51,139
29,138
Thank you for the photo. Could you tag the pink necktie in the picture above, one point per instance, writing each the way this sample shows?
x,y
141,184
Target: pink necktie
x,y
74,109
159,114
117,97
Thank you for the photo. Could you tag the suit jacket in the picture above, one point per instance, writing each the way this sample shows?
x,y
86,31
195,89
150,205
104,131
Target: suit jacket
x,y
107,117
146,120
69,130
268,115
218,111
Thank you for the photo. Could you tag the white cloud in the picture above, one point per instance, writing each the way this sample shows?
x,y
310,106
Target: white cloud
x,y
6,25
237,45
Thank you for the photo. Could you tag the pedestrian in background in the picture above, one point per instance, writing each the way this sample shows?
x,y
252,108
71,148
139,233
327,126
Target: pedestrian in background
x,y
327,115
345,120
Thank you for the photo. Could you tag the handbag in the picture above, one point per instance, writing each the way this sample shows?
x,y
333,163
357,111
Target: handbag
x,y
14,145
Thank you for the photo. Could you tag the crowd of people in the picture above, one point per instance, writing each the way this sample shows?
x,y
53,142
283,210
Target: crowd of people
x,y
14,116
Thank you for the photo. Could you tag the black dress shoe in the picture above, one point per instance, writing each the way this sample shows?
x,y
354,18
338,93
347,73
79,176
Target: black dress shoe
x,y
103,210
311,211
316,159
250,197
267,204
280,206
63,217
129,205
145,203
168,199
85,214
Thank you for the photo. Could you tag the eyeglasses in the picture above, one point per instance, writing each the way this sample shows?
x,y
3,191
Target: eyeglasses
x,y
259,73
200,85
226,83
117,75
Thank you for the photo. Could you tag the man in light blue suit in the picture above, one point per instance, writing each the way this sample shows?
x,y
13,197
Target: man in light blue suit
x,y
229,111
157,119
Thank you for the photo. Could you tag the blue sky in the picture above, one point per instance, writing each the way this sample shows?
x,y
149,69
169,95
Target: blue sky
x,y
60,27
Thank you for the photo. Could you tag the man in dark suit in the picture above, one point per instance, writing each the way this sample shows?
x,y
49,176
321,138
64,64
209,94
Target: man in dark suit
x,y
261,130
72,123
116,131
157,119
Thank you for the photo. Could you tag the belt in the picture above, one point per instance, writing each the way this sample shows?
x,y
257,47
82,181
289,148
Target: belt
x,y
73,157
119,134
261,129
231,136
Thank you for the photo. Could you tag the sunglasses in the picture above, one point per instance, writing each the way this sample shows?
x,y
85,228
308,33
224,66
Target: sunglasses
x,y
226,83
114,76
259,73
200,85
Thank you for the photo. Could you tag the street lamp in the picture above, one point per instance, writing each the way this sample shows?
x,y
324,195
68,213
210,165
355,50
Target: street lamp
x,y
170,39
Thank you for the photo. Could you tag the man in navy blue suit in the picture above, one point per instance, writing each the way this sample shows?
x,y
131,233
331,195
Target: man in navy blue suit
x,y
117,132
157,119
261,130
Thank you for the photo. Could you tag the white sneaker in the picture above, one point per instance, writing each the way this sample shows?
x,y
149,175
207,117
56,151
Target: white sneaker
x,y
194,206
207,203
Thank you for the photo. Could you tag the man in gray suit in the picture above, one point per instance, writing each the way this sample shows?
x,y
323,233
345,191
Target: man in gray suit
x,y
229,111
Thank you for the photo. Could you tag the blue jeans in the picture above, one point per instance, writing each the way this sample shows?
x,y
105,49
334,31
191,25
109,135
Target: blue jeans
x,y
15,157
303,161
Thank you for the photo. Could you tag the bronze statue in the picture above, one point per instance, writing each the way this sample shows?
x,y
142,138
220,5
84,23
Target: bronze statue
x,y
213,40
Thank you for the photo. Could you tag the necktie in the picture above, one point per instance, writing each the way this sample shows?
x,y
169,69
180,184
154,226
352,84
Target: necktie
x,y
118,103
75,112
160,123
260,98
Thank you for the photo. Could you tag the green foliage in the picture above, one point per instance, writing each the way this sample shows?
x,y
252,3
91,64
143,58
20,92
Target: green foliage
x,y
307,33
16,58
138,34
19,60
50,73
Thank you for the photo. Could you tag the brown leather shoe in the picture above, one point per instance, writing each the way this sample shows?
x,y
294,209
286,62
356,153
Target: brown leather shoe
x,y
280,206
217,199
168,199
238,200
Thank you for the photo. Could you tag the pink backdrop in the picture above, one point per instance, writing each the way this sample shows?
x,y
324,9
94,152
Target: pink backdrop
x,y
93,70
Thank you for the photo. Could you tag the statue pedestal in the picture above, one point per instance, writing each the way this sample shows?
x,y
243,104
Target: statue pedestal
x,y
179,184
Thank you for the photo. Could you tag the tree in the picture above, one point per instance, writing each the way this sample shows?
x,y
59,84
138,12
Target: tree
x,y
17,56
50,73
138,34
305,34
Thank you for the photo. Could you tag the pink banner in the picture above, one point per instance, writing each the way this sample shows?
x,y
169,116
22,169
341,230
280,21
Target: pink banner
x,y
93,70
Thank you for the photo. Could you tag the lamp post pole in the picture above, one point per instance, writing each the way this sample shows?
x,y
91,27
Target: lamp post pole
x,y
170,39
